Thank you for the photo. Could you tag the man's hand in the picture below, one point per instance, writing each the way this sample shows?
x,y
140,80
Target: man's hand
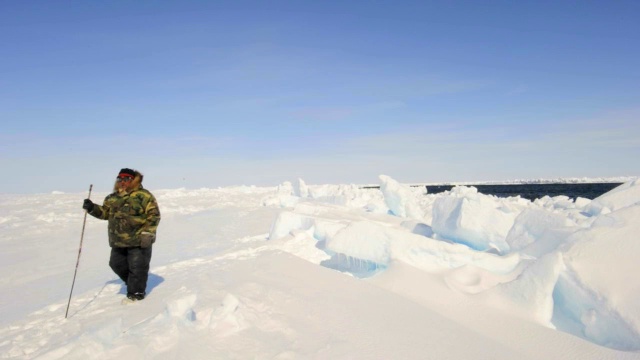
x,y
87,205
146,239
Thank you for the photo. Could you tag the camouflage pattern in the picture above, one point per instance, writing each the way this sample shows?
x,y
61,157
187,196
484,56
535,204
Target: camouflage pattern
x,y
129,215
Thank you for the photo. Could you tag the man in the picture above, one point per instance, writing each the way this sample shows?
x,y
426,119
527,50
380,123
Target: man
x,y
133,217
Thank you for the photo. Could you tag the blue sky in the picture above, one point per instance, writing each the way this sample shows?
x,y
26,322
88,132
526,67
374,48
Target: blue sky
x,y
216,93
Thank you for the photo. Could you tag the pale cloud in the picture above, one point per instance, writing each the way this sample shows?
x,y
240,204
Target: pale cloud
x,y
23,146
607,131
604,146
613,129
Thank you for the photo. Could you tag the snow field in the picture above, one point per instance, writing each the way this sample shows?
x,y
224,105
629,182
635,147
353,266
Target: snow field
x,y
331,271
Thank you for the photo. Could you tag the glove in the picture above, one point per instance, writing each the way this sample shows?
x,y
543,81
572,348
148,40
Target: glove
x,y
87,205
146,239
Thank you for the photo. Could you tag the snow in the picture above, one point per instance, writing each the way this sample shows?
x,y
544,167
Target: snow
x,y
304,271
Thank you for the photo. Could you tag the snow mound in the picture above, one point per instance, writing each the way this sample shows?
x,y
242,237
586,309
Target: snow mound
x,y
536,260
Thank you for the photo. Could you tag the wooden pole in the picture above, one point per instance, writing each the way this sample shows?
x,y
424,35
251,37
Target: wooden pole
x,y
84,222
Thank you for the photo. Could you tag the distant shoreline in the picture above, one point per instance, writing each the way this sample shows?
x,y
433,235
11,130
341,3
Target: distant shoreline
x,y
547,181
531,191
584,180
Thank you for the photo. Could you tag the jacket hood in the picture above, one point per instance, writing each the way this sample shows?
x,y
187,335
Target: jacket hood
x,y
136,183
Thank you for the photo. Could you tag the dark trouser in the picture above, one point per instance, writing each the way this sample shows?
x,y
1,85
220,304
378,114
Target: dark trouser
x,y
132,266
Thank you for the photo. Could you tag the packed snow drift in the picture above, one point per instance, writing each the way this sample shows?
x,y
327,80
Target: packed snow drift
x,y
331,271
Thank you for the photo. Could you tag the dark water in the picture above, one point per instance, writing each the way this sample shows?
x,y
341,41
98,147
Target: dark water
x,y
536,191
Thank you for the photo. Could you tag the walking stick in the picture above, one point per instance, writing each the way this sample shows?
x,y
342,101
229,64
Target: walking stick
x,y
84,222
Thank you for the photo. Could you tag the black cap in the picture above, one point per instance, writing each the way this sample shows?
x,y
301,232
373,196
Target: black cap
x,y
126,172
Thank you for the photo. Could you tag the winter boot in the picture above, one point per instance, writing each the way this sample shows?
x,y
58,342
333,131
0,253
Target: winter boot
x,y
135,296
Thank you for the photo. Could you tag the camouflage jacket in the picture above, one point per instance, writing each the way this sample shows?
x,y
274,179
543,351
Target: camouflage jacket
x,y
129,215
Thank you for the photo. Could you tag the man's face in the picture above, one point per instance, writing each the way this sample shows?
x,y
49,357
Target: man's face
x,y
124,181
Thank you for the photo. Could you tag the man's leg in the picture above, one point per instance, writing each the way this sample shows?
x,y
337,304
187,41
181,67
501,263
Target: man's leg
x,y
119,264
139,260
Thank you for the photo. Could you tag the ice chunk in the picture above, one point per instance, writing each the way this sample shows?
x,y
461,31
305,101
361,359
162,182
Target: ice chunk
x,y
181,307
300,189
530,296
538,231
227,319
362,240
400,199
379,244
476,220
287,221
623,196
604,260
357,267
